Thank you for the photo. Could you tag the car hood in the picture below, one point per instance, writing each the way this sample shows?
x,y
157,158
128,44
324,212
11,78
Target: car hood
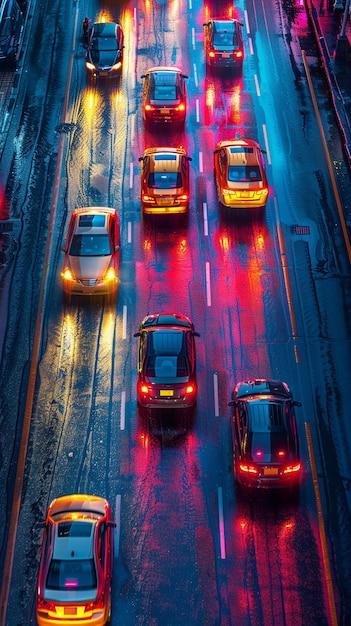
x,y
89,267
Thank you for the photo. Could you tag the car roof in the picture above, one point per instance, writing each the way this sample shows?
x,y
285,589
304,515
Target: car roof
x,y
168,340
166,319
165,162
266,415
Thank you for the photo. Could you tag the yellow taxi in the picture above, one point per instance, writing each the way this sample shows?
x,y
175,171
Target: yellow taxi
x,y
240,174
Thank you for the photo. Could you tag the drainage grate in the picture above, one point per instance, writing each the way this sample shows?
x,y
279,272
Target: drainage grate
x,y
300,230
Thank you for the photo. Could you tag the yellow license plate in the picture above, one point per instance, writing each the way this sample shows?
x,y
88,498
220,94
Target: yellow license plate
x,y
270,471
166,392
225,55
103,73
164,111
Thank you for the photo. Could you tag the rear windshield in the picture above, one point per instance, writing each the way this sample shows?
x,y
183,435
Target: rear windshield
x,y
165,180
244,173
69,575
166,358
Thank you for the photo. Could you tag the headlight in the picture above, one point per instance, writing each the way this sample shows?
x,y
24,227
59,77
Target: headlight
x,y
90,66
110,274
67,274
116,66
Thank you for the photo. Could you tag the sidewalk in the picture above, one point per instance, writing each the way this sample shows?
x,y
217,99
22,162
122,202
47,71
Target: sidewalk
x,y
336,58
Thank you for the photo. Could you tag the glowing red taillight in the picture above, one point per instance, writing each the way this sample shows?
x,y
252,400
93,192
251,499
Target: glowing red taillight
x,y
44,605
181,107
289,469
211,54
184,197
144,388
148,107
248,469
190,389
238,54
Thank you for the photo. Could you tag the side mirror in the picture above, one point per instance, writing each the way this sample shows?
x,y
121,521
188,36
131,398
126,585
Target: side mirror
x,y
205,24
141,159
185,76
136,334
116,248
143,76
112,524
215,151
189,158
195,334
232,403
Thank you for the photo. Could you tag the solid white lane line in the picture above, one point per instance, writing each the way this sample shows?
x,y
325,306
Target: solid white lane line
x,y
123,410
195,75
204,210
118,525
215,393
124,322
201,165
129,232
221,523
247,25
264,128
197,106
257,85
131,173
208,284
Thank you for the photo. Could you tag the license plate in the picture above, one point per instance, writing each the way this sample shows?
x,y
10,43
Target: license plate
x,y
103,73
166,392
165,200
270,471
225,55
70,610
245,194
164,111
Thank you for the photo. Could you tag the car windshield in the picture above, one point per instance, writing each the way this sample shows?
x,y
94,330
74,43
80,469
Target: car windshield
x,y
244,174
71,575
166,359
165,180
90,245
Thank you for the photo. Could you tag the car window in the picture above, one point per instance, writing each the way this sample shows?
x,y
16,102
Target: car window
x,y
90,245
164,180
244,173
223,39
102,544
71,575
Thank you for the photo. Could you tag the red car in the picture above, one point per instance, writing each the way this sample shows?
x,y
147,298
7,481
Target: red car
x,y
164,95
75,571
90,266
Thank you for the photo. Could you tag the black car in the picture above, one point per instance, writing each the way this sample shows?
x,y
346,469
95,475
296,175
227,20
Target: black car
x,y
224,47
264,432
11,28
104,57
166,362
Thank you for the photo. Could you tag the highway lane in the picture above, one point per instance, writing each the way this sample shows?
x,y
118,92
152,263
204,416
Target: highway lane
x,y
188,550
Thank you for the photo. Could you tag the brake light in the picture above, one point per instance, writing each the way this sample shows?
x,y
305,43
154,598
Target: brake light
x,y
144,389
44,607
148,199
238,54
190,389
148,107
211,54
289,469
184,197
248,469
181,107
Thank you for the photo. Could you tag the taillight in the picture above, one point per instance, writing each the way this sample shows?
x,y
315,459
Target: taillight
x,y
144,389
190,389
211,54
184,197
289,469
238,54
181,107
43,606
148,107
248,469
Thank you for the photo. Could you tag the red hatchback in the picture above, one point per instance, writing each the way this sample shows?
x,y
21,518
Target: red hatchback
x,y
75,571
224,47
